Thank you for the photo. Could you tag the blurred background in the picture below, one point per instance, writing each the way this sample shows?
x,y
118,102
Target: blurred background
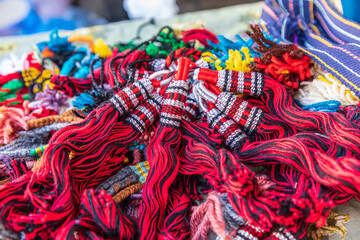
x,y
31,16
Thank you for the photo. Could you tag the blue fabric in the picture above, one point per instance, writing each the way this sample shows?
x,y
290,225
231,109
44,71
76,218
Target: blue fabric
x,y
351,9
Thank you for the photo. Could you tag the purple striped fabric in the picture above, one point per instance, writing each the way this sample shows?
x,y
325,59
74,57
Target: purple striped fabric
x,y
321,31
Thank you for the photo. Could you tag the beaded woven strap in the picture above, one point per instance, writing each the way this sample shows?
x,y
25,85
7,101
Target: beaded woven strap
x,y
129,97
239,110
175,96
229,130
126,182
191,109
203,64
281,234
249,232
250,83
146,113
118,176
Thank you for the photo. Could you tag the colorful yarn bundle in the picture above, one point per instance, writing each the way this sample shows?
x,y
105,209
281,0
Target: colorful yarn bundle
x,y
182,136
319,30
325,87
286,64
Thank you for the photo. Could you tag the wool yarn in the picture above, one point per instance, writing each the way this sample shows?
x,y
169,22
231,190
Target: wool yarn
x,y
186,135
324,88
208,215
166,142
12,121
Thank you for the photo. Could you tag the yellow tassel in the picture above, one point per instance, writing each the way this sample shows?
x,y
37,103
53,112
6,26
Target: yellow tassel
x,y
32,75
235,61
101,48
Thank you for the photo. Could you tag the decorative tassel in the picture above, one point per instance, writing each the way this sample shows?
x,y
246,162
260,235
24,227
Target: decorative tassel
x,y
163,154
55,169
253,120
280,103
306,153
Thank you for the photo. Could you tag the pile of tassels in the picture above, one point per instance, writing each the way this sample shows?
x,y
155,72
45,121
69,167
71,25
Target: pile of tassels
x,y
183,136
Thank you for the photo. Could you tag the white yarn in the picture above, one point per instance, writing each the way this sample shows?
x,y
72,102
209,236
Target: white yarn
x,y
325,87
12,64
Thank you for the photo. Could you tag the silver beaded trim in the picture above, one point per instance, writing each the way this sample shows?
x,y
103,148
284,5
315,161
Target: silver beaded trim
x,y
234,138
260,78
244,235
170,119
225,126
119,104
250,118
212,114
146,87
225,101
256,120
240,86
239,112
190,110
202,64
136,122
131,95
221,79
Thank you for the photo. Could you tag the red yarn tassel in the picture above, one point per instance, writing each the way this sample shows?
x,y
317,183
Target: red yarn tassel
x,y
176,223
53,200
71,86
101,218
163,156
225,174
306,153
334,125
